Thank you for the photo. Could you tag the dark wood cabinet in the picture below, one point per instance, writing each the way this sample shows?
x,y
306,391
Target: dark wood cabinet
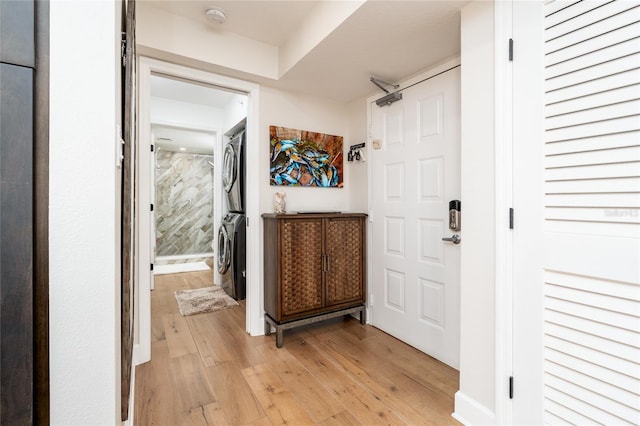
x,y
314,268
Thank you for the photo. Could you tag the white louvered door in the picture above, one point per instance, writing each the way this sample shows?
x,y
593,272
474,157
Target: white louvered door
x,y
590,259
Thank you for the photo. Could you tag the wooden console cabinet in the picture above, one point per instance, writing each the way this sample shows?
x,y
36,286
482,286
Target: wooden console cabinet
x,y
314,268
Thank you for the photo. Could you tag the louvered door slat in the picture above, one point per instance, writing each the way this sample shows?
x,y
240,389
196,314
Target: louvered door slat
x,y
586,325
596,143
592,356
602,41
595,186
602,316
597,300
609,97
596,115
553,7
599,171
591,214
596,371
594,285
609,201
594,86
595,72
576,20
625,398
594,57
596,29
586,402
580,412
596,128
589,340
564,15
604,156
562,415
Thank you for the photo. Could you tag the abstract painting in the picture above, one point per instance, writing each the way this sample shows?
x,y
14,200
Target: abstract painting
x,y
304,158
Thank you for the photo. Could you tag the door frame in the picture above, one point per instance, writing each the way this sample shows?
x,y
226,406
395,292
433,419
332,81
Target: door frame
x,y
503,125
147,66
508,272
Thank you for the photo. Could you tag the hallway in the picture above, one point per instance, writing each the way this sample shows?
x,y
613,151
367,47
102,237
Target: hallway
x,y
206,370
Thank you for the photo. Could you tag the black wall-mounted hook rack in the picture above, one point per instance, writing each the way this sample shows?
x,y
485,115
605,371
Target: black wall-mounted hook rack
x,y
354,152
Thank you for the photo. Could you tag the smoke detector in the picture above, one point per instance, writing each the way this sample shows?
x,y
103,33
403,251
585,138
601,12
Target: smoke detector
x,y
215,14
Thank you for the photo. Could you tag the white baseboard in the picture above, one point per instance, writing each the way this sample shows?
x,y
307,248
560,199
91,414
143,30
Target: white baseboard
x,y
132,398
181,258
470,412
174,268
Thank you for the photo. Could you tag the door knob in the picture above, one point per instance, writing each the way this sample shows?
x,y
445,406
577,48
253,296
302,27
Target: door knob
x,y
455,239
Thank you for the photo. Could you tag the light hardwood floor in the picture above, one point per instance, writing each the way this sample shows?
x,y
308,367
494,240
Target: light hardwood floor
x,y
206,370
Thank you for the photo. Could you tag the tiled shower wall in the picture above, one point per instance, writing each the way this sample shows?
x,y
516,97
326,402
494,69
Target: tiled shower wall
x,y
184,203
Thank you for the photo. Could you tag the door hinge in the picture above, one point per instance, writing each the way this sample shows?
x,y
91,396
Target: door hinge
x,y
510,218
511,387
151,207
151,265
511,49
152,148
123,49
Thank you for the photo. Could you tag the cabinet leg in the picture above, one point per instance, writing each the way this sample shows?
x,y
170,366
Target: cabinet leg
x,y
279,337
267,328
363,316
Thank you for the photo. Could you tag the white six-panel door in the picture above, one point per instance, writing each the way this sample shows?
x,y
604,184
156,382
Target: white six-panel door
x,y
415,173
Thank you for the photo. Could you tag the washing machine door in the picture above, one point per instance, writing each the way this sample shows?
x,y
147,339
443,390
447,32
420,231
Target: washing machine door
x,y
230,167
224,250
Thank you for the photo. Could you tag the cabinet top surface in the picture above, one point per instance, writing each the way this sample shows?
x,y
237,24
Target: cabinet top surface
x,y
308,215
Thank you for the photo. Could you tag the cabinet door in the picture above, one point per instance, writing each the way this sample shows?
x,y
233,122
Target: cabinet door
x,y
300,266
345,251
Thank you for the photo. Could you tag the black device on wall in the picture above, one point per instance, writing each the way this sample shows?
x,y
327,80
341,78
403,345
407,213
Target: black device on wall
x,y
454,215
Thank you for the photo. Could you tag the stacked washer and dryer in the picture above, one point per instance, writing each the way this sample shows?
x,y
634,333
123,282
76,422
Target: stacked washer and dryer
x,y
231,256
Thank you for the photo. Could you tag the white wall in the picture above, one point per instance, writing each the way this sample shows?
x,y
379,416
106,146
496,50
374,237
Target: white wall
x,y
475,400
184,114
234,111
196,116
84,282
298,111
356,172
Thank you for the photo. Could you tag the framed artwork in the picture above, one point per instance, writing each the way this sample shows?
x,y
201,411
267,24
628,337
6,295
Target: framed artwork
x,y
304,158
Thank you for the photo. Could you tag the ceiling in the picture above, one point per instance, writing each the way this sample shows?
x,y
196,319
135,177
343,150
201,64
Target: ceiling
x,y
271,22
388,39
170,138
182,140
189,92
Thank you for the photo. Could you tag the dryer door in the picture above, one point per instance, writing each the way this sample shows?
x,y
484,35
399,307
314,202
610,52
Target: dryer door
x,y
230,167
224,250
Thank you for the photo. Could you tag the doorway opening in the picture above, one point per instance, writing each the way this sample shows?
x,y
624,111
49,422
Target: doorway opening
x,y
184,199
183,117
